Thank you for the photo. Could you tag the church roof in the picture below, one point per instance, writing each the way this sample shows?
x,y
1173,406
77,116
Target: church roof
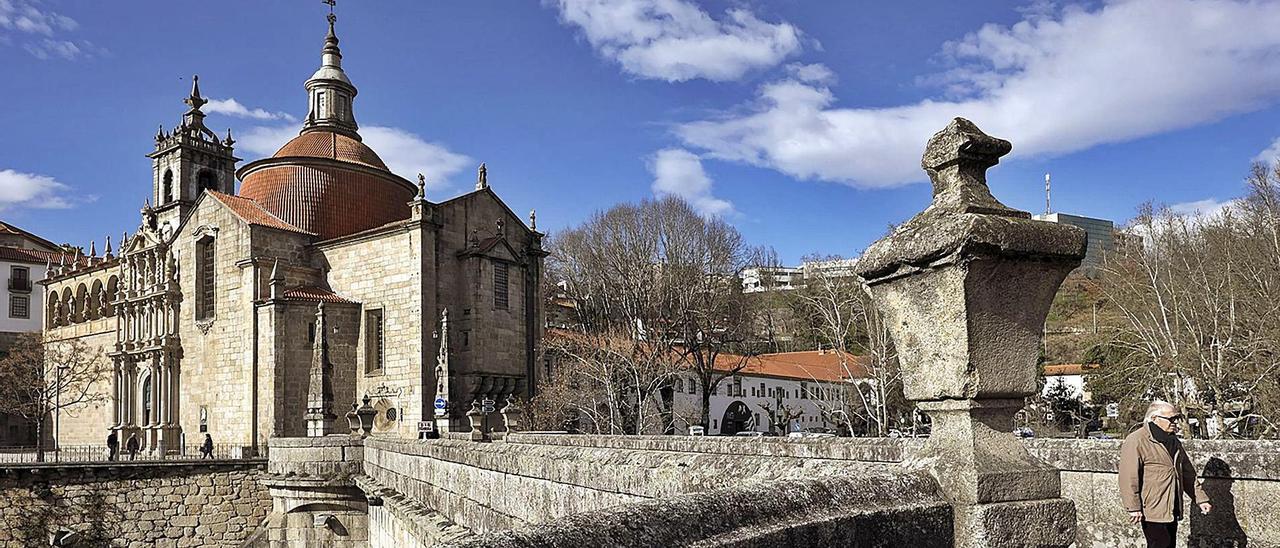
x,y
335,146
253,213
6,228
314,294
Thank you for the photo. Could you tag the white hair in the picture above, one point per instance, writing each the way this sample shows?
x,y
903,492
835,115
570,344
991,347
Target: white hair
x,y
1156,407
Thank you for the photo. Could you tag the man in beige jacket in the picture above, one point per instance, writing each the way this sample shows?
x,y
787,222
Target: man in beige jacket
x,y
1154,472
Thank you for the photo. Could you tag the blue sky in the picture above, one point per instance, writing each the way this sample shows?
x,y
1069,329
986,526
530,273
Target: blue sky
x,y
800,122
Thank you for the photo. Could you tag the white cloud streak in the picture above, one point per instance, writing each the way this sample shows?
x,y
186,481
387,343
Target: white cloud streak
x,y
1271,155
232,107
1053,83
1208,207
32,190
675,40
405,153
678,172
42,33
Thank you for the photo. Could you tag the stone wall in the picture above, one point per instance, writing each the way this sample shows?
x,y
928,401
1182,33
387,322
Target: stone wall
x,y
134,505
382,270
536,479
1241,477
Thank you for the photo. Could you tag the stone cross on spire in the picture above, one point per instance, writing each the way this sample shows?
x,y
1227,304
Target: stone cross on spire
x,y
482,177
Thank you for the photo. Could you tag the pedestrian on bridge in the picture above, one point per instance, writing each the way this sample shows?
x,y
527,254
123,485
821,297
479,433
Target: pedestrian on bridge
x,y
206,449
1154,473
132,445
113,445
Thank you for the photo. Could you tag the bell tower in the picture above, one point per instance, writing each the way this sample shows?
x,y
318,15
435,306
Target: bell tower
x,y
188,160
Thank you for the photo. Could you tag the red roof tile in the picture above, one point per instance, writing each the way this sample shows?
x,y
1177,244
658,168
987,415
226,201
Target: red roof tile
x,y
327,144
34,256
253,213
314,294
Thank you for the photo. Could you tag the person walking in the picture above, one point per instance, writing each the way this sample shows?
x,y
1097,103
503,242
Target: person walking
x,y
1154,473
132,445
206,449
113,445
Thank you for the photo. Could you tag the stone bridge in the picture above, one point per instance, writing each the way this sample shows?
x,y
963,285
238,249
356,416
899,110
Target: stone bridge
x,y
965,287
538,490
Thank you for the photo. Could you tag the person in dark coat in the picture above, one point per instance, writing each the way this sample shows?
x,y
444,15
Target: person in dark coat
x,y
113,445
132,445
206,449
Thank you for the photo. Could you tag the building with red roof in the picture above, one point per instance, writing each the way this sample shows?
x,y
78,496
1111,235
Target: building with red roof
x,y
324,279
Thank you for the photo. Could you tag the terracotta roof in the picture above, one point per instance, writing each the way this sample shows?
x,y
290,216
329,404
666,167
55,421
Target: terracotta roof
x,y
1060,369
253,213
34,256
812,365
6,228
816,365
315,295
327,144
329,200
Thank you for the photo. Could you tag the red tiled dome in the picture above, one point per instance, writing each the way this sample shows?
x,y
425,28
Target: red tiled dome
x,y
327,144
327,183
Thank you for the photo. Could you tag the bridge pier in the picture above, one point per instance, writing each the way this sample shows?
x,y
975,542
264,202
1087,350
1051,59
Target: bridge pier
x,y
315,500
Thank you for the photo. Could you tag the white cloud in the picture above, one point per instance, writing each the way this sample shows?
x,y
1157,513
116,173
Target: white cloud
x,y
405,153
1053,83
675,40
678,172
32,190
42,32
1208,207
232,107
1271,154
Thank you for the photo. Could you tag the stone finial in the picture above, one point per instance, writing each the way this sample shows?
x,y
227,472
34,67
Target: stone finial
x,y
475,420
107,252
276,283
319,416
160,133
965,286
482,177
533,219
512,413
93,251
228,141
195,101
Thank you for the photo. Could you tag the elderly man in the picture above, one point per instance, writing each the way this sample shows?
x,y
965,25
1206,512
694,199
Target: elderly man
x,y
1154,472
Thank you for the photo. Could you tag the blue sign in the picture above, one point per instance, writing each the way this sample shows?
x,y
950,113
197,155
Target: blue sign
x,y
441,403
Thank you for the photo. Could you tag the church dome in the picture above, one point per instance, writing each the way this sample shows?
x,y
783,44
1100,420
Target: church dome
x,y
325,180
329,184
326,144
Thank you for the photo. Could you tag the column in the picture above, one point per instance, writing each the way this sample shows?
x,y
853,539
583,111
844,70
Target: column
x,y
115,392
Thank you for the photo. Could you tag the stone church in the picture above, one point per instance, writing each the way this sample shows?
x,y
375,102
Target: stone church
x,y
325,279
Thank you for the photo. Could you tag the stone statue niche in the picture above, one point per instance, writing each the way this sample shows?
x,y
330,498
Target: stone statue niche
x,y
965,286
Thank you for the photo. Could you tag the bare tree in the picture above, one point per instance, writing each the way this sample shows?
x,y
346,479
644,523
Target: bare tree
x,y
1200,306
841,312
780,414
665,278
40,379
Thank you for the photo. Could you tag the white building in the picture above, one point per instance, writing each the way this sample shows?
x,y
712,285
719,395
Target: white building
x,y
1068,375
757,279
814,383
23,260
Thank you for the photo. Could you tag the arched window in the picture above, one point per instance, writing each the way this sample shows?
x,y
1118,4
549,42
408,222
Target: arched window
x,y
167,187
207,181
113,292
146,400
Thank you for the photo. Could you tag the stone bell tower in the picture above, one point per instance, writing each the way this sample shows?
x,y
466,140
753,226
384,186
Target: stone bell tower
x,y
188,160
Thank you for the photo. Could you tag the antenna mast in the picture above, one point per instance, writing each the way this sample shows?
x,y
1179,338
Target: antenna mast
x,y
1047,209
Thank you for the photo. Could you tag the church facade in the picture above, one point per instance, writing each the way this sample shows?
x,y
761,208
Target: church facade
x,y
324,280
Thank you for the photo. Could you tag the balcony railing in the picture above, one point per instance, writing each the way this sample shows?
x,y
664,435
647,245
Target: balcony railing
x,y
20,285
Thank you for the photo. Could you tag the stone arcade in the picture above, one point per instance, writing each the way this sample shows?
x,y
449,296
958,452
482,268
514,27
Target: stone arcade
x,y
208,310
